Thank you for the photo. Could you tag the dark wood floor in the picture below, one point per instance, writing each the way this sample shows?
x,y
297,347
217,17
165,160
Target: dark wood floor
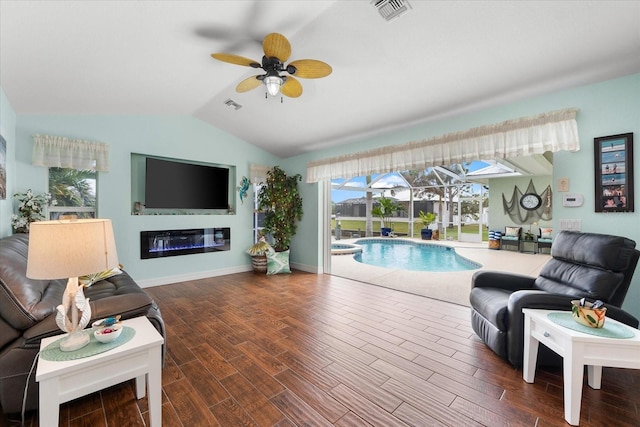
x,y
318,350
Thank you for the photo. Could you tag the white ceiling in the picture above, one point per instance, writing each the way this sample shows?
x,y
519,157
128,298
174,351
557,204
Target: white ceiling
x,y
441,59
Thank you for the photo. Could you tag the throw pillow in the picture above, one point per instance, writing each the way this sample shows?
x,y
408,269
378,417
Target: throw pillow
x,y
545,233
278,262
512,231
90,279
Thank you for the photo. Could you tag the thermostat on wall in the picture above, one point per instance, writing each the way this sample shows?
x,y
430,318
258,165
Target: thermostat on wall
x,y
572,200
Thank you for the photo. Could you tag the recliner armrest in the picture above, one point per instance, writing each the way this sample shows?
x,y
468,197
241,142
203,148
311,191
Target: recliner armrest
x,y
621,316
529,299
502,280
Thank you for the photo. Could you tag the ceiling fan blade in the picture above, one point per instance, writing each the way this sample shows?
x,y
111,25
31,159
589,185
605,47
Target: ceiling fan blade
x,y
311,68
236,59
276,45
291,88
248,84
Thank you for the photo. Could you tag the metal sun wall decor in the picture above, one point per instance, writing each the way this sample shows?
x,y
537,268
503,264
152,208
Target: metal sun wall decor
x,y
613,157
529,206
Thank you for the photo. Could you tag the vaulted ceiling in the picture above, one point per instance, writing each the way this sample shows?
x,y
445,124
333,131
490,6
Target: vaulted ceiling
x,y
440,59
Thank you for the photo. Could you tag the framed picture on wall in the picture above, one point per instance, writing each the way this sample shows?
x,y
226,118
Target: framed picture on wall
x,y
3,168
613,156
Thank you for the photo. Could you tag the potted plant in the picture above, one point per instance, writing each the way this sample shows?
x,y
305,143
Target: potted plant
x,y
258,252
426,219
385,210
281,203
31,208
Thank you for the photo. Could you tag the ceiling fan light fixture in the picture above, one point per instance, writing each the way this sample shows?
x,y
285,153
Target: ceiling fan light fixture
x,y
273,84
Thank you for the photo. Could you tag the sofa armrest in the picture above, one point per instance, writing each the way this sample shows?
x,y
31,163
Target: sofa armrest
x,y
128,306
499,279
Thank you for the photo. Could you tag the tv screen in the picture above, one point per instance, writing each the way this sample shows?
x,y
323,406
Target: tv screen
x,y
177,185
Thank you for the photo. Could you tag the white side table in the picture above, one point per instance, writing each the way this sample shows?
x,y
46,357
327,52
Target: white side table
x,y
139,358
577,349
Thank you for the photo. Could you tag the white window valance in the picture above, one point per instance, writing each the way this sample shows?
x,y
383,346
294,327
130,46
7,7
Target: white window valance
x,y
553,131
258,173
61,152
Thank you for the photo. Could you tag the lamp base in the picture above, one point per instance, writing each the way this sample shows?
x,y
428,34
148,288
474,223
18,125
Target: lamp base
x,y
74,341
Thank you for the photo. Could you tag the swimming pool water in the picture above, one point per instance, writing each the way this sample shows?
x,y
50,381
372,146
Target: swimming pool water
x,y
413,256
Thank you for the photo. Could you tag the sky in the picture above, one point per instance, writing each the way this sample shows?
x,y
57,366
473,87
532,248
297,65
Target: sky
x,y
340,195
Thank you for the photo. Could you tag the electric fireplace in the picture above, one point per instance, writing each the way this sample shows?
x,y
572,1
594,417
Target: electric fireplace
x,y
164,243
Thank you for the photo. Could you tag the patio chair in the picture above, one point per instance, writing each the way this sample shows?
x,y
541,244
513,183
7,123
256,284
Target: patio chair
x,y
545,239
595,266
511,238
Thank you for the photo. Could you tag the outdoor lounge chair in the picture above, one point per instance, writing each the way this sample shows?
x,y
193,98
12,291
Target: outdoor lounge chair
x,y
511,238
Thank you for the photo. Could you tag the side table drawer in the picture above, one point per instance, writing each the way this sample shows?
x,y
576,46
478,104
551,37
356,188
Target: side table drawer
x,y
550,337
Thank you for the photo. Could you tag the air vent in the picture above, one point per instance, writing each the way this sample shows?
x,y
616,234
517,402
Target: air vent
x,y
390,9
232,104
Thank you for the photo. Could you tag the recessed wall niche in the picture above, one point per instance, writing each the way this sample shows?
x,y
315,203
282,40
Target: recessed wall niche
x,y
169,186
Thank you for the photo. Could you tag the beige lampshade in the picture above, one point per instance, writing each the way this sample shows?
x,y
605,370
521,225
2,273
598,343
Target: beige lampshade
x,y
70,248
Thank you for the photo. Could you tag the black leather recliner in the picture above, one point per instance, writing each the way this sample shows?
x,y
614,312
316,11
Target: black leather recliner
x,y
595,266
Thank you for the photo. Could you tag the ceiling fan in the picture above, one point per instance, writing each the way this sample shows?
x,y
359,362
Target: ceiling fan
x,y
277,51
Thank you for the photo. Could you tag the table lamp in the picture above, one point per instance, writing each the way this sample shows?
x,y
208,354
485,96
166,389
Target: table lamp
x,y
66,249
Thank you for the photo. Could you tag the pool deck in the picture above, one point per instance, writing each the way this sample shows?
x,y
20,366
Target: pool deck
x,y
451,286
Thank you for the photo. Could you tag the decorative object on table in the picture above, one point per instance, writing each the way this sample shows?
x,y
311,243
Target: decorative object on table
x,y
243,188
613,158
108,334
588,313
31,208
427,219
528,235
258,252
280,200
529,206
384,209
104,323
82,247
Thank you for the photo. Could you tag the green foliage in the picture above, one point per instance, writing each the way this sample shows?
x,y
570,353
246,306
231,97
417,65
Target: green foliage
x,y
31,208
427,218
385,210
281,203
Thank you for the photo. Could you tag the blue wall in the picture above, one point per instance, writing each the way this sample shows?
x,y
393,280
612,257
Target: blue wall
x,y
608,108
166,136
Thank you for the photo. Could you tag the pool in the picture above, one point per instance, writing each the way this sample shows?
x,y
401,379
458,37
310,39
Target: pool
x,y
345,249
414,256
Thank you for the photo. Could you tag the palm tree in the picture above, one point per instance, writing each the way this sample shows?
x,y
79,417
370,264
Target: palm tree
x,y
70,187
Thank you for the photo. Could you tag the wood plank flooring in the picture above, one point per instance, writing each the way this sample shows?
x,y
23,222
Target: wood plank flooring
x,y
319,350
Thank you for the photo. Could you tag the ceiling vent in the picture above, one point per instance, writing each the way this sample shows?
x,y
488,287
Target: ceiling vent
x,y
390,9
232,104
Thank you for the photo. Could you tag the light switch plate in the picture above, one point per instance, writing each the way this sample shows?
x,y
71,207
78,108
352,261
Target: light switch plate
x,y
563,184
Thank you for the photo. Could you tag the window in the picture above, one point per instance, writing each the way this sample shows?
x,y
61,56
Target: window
x,y
74,191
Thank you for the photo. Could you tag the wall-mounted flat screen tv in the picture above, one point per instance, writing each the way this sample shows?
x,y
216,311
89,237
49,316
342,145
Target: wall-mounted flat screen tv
x,y
178,185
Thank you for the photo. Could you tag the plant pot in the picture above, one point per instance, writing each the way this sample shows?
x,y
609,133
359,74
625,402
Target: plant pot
x,y
385,231
426,233
259,264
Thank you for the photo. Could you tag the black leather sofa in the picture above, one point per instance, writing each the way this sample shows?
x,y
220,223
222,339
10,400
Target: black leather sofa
x,y
27,314
595,266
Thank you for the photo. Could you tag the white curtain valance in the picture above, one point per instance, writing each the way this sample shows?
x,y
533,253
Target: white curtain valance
x,y
258,173
553,131
58,151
